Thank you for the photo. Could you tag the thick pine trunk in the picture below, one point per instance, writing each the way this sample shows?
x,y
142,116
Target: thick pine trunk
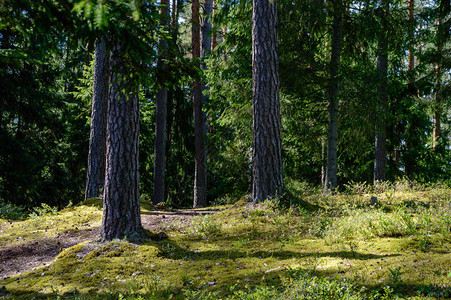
x,y
95,177
121,211
267,176
200,178
332,135
381,131
161,115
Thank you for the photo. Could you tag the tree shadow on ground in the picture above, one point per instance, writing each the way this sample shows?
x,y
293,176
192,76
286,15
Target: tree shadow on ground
x,y
179,252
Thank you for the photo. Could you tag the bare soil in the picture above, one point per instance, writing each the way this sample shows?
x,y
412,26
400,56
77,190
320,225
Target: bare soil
x,y
20,258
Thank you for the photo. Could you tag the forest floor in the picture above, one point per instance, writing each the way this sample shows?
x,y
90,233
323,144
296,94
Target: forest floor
x,y
21,257
321,247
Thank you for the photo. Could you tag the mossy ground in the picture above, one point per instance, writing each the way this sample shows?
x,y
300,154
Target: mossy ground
x,y
252,251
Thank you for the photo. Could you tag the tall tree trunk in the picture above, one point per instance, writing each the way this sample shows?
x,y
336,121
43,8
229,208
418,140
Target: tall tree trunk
x,y
442,36
412,138
411,56
200,169
95,177
161,114
121,211
381,131
267,173
332,135
205,53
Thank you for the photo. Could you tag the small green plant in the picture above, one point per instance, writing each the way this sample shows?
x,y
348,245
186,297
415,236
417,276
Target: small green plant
x,y
204,227
353,246
394,276
152,284
384,293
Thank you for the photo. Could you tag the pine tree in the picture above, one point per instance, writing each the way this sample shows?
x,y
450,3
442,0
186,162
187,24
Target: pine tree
x,y
267,176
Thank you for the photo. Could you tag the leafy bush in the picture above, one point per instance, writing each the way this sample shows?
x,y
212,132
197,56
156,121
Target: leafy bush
x,y
45,209
10,211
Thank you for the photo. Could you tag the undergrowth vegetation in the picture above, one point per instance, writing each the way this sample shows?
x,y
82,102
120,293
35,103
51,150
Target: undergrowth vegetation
x,y
367,242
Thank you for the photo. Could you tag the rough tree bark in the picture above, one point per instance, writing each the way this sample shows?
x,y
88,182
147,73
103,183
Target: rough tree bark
x,y
200,181
95,177
121,211
267,174
332,134
381,131
161,115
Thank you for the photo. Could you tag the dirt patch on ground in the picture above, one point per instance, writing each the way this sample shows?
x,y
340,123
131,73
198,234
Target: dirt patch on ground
x,y
28,256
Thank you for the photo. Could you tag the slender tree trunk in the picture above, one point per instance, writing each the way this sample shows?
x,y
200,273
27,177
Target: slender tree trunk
x,y
323,162
121,211
95,177
381,131
267,174
206,30
437,106
442,36
214,40
332,135
200,169
412,140
411,56
205,52
161,114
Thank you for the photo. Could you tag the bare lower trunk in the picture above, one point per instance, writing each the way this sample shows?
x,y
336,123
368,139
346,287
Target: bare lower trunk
x,y
332,135
442,36
97,142
161,116
200,181
121,211
381,131
267,176
412,140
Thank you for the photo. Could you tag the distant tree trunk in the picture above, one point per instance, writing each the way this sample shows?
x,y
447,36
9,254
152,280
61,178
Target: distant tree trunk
x,y
121,211
200,181
381,131
161,114
332,135
214,38
411,56
206,30
442,36
267,174
95,177
205,53
412,138
323,162
6,34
